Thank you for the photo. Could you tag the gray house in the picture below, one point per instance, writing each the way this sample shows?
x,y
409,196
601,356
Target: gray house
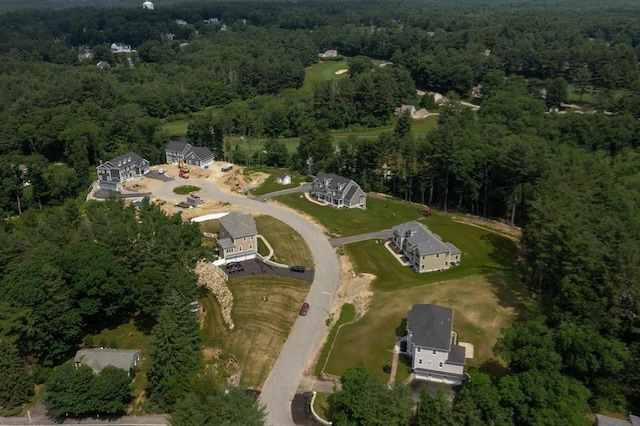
x,y
237,237
120,169
432,345
99,358
178,149
424,250
602,420
338,191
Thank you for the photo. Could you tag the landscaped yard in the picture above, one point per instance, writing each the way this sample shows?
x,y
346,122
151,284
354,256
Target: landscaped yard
x,y
186,189
381,213
130,336
483,292
288,246
261,328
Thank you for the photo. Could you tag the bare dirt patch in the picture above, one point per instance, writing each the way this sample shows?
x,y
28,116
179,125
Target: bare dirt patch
x,y
511,232
354,289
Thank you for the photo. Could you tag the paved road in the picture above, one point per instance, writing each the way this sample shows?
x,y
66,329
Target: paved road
x,y
305,187
258,267
281,384
386,234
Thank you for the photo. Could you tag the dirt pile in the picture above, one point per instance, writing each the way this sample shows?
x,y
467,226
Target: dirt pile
x,y
209,278
354,288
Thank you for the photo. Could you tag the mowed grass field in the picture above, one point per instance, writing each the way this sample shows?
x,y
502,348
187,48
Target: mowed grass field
x,y
481,306
381,213
288,246
261,328
323,71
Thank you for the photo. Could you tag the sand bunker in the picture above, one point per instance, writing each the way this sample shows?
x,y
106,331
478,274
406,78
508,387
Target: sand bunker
x,y
339,72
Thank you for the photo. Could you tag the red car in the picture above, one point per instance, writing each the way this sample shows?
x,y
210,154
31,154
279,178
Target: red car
x,y
304,309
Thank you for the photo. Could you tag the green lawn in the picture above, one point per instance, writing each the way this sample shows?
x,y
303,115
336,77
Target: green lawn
x,y
270,184
130,335
261,328
347,313
483,291
323,71
288,246
186,189
322,405
176,128
381,213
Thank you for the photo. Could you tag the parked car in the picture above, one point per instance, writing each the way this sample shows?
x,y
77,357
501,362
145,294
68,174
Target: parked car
x,y
234,267
227,168
304,309
297,268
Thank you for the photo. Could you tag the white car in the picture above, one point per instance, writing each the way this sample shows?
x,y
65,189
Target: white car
x,y
161,171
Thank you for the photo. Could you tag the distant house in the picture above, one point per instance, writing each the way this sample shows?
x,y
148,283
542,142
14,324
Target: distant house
x,y
424,250
283,179
147,5
415,114
178,149
103,65
180,22
338,191
328,54
610,421
120,169
237,237
120,48
431,344
99,358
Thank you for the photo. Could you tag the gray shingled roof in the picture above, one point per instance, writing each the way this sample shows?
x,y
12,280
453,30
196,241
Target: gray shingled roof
x,y
201,152
426,241
457,355
335,179
100,358
178,146
123,160
431,326
238,225
453,249
225,243
282,176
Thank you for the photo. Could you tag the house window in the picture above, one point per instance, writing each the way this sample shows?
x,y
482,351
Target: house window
x,y
244,238
250,246
420,361
440,364
434,351
240,248
417,349
437,255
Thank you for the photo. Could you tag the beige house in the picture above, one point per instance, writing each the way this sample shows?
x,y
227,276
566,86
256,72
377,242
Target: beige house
x,y
424,250
237,237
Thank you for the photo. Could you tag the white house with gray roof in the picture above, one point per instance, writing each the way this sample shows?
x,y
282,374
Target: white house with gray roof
x,y
424,250
178,149
432,345
99,358
112,173
338,191
237,237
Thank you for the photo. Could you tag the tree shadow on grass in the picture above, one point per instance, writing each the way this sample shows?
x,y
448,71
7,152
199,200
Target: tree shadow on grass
x,y
494,368
401,329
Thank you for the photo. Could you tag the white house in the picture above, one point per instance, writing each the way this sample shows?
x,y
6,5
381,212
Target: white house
x,y
283,179
432,345
147,5
120,48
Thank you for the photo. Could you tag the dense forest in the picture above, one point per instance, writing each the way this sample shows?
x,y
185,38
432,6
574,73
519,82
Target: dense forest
x,y
570,179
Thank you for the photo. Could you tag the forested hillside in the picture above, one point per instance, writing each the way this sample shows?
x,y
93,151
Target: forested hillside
x,y
569,175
